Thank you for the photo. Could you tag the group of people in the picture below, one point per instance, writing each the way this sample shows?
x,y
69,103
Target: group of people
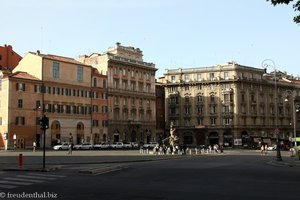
x,y
163,149
183,149
264,150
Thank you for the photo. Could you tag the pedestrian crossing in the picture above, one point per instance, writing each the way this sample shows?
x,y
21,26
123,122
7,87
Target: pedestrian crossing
x,y
26,179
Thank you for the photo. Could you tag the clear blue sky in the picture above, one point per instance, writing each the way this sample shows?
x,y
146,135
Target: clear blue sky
x,y
171,33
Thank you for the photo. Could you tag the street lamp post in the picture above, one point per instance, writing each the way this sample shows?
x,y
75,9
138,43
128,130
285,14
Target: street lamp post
x,y
37,122
265,64
296,106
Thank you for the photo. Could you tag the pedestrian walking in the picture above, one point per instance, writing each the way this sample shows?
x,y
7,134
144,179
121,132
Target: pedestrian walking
x,y
34,145
262,149
70,148
266,149
70,143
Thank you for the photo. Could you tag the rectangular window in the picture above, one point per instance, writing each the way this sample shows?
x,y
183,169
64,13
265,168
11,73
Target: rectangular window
x,y
199,78
116,71
95,108
213,121
147,76
38,104
124,84
200,121
48,90
116,83
79,73
211,76
20,87
173,79
124,72
68,109
116,100
132,86
20,120
95,82
104,83
20,103
200,98
227,121
148,88
226,75
95,123
104,96
187,77
104,109
105,123
55,69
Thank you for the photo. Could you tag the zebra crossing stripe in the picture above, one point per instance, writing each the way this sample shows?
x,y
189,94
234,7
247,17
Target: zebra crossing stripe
x,y
35,177
25,180
15,183
8,186
47,175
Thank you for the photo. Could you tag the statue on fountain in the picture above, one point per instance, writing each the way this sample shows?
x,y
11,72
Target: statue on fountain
x,y
173,139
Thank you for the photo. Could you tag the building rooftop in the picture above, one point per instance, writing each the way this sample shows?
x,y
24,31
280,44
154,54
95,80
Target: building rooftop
x,y
23,75
58,58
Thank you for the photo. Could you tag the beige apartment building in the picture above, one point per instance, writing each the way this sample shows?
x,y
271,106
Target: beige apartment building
x,y
231,104
65,90
131,89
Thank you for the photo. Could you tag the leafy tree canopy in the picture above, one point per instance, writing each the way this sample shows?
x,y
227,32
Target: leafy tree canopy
x,y
296,7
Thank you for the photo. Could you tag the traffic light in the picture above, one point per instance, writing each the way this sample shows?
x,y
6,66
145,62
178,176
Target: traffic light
x,y
44,122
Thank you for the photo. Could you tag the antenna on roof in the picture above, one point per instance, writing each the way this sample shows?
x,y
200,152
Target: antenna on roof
x,y
42,38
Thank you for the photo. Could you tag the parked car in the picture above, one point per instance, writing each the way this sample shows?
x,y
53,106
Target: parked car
x,y
270,148
150,145
101,146
63,146
117,145
127,145
85,146
134,145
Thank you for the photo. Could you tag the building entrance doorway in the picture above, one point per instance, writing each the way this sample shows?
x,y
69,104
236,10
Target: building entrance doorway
x,y
213,138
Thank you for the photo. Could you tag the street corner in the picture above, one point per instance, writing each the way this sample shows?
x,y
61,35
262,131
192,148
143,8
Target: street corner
x,y
283,163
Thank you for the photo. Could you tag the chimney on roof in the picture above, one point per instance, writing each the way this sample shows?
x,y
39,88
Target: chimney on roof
x,y
38,52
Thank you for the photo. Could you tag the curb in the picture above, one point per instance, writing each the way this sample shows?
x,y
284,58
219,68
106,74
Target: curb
x,y
281,164
37,169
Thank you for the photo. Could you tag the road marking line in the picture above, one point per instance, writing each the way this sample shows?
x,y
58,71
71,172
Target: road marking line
x,y
35,177
47,175
8,186
26,180
15,183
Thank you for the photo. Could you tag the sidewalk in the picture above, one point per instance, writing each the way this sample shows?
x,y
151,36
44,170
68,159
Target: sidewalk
x,y
287,161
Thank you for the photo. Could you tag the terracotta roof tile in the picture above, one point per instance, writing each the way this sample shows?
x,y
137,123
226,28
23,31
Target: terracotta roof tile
x,y
59,58
24,75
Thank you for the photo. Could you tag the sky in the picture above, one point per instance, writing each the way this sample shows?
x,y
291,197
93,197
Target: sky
x,y
171,33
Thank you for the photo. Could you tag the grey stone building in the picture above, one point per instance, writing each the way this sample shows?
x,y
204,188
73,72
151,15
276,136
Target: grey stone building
x,y
231,104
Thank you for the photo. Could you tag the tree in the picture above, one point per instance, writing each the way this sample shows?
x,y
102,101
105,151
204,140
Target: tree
x,y
296,7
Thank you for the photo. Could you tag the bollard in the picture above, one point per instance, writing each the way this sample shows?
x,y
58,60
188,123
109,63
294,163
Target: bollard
x,y
20,160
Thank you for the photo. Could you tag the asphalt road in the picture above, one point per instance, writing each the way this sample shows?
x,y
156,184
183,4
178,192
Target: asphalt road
x,y
234,175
